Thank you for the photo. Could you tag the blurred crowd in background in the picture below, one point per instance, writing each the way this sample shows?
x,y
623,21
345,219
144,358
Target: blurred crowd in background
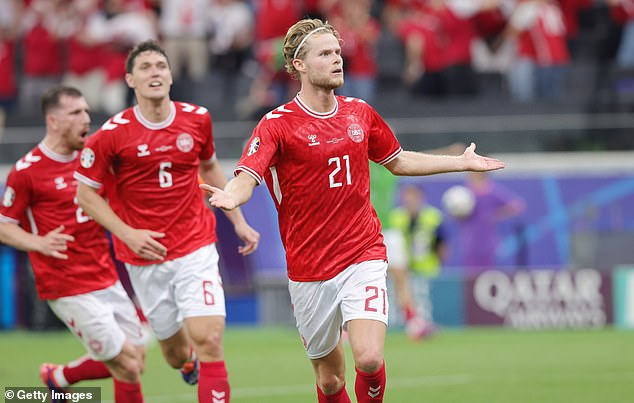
x,y
441,46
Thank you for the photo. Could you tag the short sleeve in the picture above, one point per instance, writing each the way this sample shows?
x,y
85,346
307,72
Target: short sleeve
x,y
208,151
16,197
383,146
261,151
95,159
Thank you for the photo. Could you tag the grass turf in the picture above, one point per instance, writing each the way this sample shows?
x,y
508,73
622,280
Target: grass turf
x,y
487,365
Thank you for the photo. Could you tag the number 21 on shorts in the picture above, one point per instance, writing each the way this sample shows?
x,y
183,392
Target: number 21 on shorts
x,y
376,299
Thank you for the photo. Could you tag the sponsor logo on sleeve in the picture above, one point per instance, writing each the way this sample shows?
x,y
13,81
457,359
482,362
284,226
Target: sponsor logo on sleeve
x,y
9,197
87,158
254,146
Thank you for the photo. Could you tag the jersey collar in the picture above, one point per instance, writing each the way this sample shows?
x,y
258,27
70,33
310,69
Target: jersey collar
x,y
155,126
55,156
315,114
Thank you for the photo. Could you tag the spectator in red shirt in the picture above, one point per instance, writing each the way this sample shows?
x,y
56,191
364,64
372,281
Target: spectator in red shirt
x,y
45,27
9,25
86,55
438,42
570,10
538,28
359,33
271,85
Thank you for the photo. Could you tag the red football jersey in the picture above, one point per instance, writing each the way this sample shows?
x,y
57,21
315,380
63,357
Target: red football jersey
x,y
40,195
155,168
317,171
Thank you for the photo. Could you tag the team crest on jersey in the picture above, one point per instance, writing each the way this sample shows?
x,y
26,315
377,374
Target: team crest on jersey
x,y
355,132
254,146
87,158
185,142
9,197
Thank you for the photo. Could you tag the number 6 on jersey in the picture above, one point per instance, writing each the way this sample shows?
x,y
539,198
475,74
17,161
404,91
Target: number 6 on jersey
x,y
165,178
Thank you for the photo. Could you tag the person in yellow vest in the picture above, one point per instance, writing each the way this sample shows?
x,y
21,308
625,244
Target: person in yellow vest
x,y
416,248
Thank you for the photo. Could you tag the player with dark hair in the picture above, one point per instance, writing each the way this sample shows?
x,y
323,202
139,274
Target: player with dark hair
x,y
163,231
70,253
313,154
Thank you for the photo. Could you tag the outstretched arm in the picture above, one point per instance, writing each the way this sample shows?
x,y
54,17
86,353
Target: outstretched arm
x,y
52,244
410,163
212,174
237,192
143,242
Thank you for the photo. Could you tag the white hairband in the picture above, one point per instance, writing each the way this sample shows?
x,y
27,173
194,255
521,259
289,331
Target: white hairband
x,y
304,40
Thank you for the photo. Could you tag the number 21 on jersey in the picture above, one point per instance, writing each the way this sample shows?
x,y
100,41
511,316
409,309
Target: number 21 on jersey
x,y
336,177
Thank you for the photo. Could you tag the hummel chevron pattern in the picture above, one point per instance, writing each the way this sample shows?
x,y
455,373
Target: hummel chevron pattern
x,y
217,397
273,115
26,161
374,392
115,121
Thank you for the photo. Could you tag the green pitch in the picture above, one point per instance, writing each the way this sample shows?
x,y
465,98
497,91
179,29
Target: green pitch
x,y
471,366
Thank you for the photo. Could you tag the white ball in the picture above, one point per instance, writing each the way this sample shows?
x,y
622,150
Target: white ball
x,y
458,201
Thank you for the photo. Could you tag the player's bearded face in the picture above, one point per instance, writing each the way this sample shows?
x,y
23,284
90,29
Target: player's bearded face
x,y
73,121
324,65
151,77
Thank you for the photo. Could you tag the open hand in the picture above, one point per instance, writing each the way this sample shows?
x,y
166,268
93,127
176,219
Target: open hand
x,y
478,163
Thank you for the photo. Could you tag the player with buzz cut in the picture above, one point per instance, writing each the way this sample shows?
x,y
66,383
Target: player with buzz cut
x,y
313,154
163,230
70,253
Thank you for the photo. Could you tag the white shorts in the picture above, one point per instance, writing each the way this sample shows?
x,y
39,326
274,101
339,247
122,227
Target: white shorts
x,y
181,288
396,250
102,320
321,308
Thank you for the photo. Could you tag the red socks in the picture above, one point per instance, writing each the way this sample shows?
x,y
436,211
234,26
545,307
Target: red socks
x,y
83,369
409,312
370,387
213,383
127,392
340,397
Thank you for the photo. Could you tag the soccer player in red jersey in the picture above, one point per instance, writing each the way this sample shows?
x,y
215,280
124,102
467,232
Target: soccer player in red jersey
x,y
163,230
70,253
313,154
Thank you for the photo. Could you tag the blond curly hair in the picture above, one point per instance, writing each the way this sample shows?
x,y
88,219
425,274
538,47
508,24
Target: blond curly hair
x,y
294,46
